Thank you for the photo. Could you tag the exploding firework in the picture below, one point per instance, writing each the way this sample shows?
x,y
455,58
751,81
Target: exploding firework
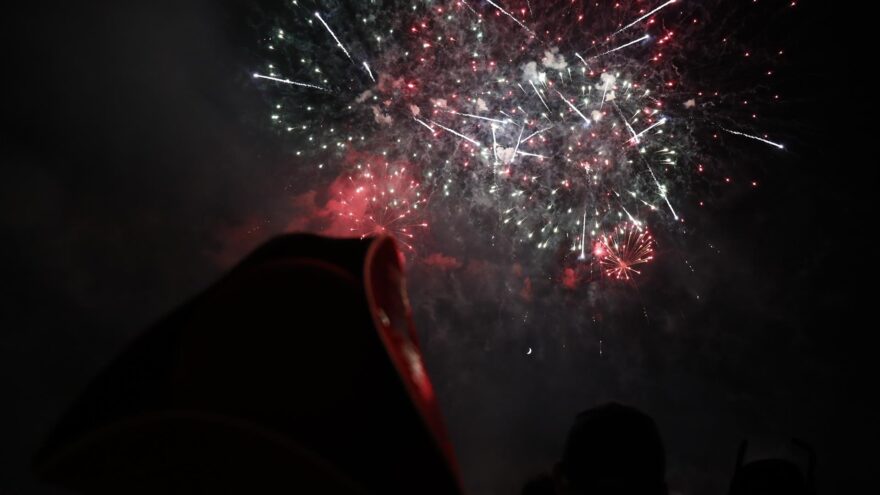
x,y
382,199
560,120
627,246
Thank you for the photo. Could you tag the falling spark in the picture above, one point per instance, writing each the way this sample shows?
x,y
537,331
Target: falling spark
x,y
573,107
494,145
640,19
637,224
655,124
475,143
369,72
778,145
524,153
539,96
633,42
518,140
502,122
508,15
632,131
578,55
338,43
288,81
583,254
420,121
471,8
530,136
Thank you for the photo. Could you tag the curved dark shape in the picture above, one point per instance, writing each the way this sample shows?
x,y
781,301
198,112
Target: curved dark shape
x,y
774,475
298,371
613,449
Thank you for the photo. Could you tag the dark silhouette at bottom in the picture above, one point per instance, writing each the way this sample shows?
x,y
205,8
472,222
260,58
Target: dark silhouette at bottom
x,y
776,476
610,449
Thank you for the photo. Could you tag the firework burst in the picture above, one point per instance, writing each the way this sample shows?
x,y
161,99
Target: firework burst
x,y
382,199
559,119
625,248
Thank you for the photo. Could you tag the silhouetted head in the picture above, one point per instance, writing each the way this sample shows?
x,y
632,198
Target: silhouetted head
x,y
777,475
612,449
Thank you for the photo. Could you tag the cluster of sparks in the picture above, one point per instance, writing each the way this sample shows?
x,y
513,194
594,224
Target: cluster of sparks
x,y
382,199
625,248
570,123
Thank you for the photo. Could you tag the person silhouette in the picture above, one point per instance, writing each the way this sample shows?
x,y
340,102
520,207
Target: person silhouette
x,y
612,449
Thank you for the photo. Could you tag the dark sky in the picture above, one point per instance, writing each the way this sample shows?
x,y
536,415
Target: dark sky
x,y
133,175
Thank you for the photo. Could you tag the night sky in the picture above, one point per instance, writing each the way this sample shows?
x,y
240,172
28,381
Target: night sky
x,y
136,169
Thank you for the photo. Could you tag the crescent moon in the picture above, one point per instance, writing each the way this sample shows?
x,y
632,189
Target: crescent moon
x,y
529,351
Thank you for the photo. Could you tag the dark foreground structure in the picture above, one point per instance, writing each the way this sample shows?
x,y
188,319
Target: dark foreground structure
x,y
298,372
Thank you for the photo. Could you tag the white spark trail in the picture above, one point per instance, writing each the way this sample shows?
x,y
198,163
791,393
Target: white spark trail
x,y
530,136
494,145
662,192
660,189
369,72
632,219
453,131
674,214
518,140
578,55
655,124
778,145
640,19
288,81
539,96
626,122
498,121
524,153
338,43
471,8
583,255
633,42
509,15
423,123
573,107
